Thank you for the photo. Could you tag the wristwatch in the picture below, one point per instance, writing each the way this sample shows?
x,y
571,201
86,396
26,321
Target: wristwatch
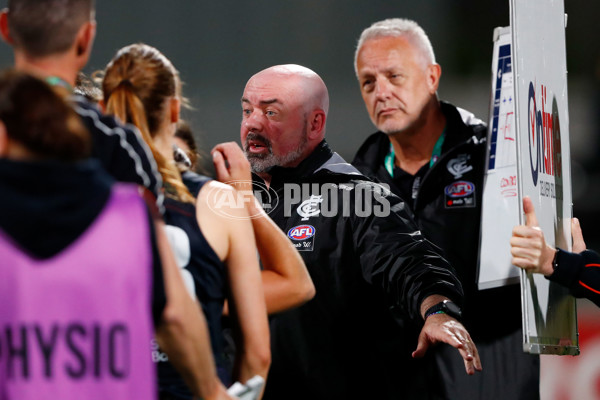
x,y
445,307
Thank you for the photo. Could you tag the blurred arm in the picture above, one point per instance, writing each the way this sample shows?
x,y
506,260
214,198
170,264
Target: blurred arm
x,y
182,331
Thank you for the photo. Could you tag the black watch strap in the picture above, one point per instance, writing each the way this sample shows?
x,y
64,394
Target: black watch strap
x,y
445,307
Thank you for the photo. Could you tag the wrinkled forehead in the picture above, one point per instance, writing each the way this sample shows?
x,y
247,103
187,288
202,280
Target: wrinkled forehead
x,y
393,48
267,86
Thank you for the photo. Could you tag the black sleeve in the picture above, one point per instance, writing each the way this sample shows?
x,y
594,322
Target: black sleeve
x,y
396,257
120,149
580,273
159,298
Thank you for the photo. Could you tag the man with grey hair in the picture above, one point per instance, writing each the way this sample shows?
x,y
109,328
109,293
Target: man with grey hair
x,y
432,154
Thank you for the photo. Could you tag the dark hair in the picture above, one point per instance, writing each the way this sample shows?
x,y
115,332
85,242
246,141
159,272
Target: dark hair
x,y
36,116
87,87
45,27
137,82
184,132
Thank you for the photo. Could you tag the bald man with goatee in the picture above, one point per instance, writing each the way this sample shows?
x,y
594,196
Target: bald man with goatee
x,y
364,253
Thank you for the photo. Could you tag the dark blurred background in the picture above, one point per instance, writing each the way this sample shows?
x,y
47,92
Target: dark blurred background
x,y
218,45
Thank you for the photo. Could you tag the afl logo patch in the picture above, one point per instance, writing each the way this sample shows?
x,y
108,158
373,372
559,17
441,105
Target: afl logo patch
x,y
301,232
459,189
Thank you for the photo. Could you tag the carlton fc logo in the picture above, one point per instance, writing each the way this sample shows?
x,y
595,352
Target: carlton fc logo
x,y
458,166
310,207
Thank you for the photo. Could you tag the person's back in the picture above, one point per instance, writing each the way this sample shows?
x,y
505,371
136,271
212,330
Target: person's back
x,y
76,318
76,324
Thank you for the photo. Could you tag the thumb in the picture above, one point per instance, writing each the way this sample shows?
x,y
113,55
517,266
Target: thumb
x,y
578,242
529,210
422,346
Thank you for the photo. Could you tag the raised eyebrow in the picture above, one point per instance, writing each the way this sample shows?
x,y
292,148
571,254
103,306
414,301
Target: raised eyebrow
x,y
262,102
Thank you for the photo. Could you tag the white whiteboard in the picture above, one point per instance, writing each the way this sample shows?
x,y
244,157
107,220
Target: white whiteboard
x,y
543,160
500,204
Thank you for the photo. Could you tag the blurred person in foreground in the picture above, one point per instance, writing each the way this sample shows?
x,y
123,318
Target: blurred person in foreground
x,y
86,272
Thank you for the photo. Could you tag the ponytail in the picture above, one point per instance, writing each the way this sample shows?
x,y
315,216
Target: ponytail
x,y
127,106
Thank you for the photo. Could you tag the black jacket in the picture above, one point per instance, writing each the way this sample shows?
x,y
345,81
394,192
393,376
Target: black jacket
x,y
447,209
453,222
120,149
366,268
580,273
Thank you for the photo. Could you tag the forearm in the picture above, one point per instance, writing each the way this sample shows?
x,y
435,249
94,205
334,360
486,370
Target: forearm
x,y
398,259
580,273
253,363
247,306
184,337
253,352
253,349
286,280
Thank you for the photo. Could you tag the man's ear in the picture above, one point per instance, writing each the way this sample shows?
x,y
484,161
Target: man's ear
x,y
175,106
3,140
316,127
84,41
4,31
434,72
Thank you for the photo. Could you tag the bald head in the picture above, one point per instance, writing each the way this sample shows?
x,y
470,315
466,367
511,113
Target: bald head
x,y
284,113
307,85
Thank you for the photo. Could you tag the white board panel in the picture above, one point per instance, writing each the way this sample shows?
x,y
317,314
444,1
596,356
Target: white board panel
x,y
543,160
500,204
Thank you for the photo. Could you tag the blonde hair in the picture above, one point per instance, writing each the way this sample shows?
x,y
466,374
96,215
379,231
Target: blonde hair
x,y
137,82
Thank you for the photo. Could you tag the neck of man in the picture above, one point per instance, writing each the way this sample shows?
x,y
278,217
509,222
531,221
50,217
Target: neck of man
x,y
266,178
54,65
413,148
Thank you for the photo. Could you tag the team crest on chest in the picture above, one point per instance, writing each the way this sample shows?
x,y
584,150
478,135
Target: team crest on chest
x,y
459,165
310,207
